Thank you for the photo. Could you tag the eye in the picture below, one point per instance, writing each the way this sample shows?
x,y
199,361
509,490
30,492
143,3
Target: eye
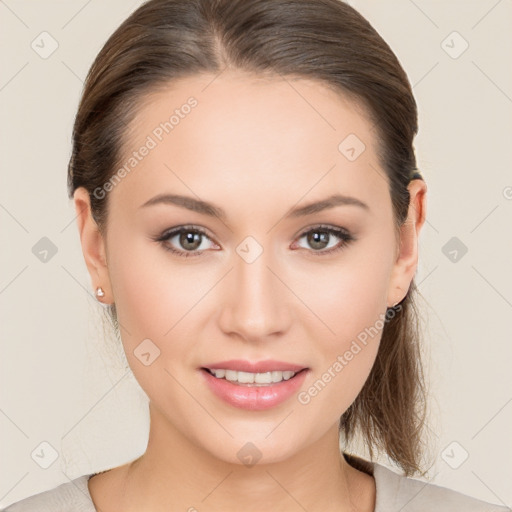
x,y
189,238
320,238
188,241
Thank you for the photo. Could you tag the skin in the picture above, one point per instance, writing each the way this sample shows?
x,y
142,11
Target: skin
x,y
256,149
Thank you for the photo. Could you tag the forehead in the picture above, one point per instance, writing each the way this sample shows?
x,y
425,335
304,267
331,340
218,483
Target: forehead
x,y
251,134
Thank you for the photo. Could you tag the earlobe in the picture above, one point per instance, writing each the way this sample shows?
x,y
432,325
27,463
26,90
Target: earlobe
x,y
407,259
93,245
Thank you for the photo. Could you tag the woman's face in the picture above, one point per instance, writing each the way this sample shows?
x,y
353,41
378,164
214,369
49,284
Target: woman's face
x,y
262,280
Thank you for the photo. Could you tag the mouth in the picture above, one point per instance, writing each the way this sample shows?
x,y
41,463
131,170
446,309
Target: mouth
x,y
254,386
251,379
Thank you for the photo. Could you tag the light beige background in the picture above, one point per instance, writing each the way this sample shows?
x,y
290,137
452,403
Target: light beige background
x,y
59,382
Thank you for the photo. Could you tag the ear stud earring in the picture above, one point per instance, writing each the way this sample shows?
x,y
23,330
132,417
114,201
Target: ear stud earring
x,y
99,292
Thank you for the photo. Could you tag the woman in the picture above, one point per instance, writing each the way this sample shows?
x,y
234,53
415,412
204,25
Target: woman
x,y
249,210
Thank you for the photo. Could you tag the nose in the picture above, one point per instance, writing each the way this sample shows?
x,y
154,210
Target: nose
x,y
255,304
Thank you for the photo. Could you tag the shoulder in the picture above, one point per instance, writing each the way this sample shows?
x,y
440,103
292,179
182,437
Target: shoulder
x,y
71,496
398,492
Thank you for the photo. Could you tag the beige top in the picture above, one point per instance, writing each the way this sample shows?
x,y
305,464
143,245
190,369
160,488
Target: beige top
x,y
394,492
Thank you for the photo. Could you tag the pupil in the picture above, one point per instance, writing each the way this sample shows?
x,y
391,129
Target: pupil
x,y
189,238
318,239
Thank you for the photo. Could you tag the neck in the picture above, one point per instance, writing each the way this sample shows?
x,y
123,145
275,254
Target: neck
x,y
176,474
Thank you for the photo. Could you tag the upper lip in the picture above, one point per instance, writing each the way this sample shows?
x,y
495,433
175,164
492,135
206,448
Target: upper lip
x,y
241,365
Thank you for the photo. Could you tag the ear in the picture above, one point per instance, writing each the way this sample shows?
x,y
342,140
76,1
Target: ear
x,y
93,245
407,253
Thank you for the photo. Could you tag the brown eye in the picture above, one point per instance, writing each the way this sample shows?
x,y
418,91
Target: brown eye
x,y
318,239
185,241
190,240
322,239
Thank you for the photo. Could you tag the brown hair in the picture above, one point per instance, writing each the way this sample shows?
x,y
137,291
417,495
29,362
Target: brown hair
x,y
324,40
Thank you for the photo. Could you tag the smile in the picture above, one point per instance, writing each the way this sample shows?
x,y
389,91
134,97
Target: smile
x,y
252,379
254,386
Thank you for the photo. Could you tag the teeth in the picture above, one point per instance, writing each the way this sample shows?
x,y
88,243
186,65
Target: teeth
x,y
253,378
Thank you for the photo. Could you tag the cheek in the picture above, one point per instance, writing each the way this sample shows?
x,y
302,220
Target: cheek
x,y
345,357
347,297
350,300
150,295
160,299
153,304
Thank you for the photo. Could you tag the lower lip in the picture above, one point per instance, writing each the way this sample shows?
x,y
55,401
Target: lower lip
x,y
254,398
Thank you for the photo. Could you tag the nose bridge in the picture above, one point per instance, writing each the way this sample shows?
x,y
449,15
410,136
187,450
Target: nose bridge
x,y
256,306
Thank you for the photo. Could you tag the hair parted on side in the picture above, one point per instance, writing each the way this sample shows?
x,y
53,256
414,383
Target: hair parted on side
x,y
324,40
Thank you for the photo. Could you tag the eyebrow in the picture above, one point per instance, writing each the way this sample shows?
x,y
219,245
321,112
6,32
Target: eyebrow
x,y
205,208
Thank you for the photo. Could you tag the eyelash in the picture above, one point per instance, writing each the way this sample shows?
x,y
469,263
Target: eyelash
x,y
341,233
